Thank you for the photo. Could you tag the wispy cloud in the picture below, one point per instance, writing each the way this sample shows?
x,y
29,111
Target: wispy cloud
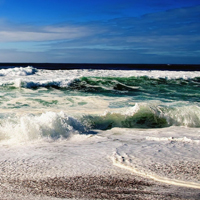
x,y
173,31
172,35
46,33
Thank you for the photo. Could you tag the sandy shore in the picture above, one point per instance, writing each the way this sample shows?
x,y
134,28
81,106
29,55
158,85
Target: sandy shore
x,y
82,168
127,186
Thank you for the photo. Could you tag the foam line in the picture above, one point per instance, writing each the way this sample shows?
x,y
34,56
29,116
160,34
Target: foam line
x,y
157,178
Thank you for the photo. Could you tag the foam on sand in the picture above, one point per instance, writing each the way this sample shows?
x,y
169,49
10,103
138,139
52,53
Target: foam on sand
x,y
167,155
166,180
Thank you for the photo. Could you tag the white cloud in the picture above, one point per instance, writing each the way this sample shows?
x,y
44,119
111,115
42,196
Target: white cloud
x,y
43,34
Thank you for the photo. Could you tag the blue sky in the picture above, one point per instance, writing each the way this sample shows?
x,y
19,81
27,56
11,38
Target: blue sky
x,y
88,31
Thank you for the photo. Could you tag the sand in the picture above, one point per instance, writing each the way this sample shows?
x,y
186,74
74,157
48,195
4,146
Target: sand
x,y
127,186
80,170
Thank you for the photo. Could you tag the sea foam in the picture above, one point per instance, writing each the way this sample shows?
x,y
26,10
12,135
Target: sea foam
x,y
104,79
18,71
49,125
59,125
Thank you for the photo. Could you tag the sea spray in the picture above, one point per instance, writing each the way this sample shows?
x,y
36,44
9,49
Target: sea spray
x,y
47,125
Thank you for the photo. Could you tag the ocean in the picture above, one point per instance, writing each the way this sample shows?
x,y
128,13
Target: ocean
x,y
98,122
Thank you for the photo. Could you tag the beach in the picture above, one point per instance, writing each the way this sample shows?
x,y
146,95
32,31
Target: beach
x,y
25,173
82,168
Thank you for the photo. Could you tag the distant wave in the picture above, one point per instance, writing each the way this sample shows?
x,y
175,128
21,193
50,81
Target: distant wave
x,y
29,70
149,88
18,71
98,83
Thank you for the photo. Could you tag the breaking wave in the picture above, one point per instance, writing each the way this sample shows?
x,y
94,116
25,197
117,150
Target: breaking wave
x,y
146,116
60,125
47,125
148,88
18,71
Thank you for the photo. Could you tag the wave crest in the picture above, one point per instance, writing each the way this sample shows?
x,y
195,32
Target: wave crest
x,y
47,125
146,116
18,71
59,125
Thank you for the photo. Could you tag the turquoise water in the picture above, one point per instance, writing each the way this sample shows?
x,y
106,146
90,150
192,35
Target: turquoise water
x,y
97,99
141,88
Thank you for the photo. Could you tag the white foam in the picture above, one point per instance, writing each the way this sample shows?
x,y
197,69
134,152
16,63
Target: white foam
x,y
79,155
18,71
167,154
157,178
131,111
181,139
32,127
185,115
37,77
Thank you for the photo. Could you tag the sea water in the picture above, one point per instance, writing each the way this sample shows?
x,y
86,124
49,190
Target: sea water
x,y
68,122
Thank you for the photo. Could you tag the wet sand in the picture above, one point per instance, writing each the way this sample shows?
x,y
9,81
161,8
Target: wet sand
x,y
126,186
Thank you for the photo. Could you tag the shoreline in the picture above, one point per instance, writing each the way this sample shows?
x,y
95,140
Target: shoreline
x,y
81,168
157,178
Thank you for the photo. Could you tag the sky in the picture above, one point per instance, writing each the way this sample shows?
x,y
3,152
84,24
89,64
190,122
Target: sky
x,y
88,31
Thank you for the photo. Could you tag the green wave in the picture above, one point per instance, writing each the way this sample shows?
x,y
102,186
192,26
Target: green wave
x,y
141,88
173,89
146,116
